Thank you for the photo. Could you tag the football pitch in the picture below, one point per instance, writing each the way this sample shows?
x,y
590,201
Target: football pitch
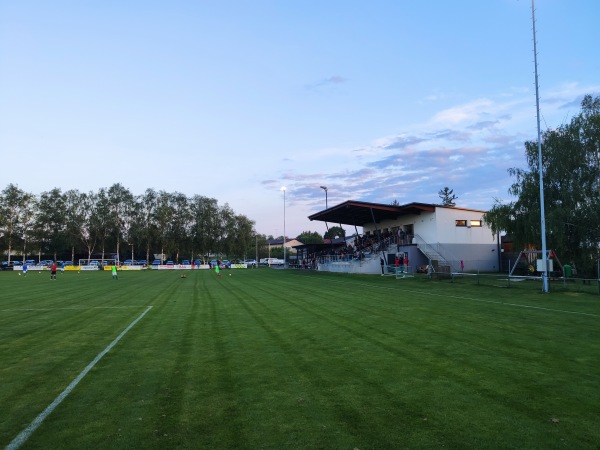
x,y
280,359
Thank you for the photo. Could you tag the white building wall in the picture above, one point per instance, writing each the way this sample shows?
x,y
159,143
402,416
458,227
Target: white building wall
x,y
448,232
425,225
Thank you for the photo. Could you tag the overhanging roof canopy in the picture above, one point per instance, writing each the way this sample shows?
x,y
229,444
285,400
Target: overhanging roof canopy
x,y
356,213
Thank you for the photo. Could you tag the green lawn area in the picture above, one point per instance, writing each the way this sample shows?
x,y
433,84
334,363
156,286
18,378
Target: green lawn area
x,y
296,359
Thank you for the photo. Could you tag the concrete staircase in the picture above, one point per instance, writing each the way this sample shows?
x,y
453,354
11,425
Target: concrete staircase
x,y
441,259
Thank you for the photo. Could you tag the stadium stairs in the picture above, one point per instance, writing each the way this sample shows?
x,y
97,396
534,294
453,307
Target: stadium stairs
x,y
438,255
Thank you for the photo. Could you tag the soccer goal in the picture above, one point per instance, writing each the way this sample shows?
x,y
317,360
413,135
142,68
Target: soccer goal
x,y
96,263
403,272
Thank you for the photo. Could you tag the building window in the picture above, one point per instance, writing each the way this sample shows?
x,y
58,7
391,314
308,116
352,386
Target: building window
x,y
461,223
475,223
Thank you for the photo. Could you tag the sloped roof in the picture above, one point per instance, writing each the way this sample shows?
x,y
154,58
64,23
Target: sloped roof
x,y
356,213
280,241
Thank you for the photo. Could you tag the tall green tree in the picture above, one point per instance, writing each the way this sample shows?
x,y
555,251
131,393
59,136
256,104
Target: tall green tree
x,y
225,231
310,237
163,217
334,232
571,173
26,224
14,203
75,210
244,242
180,226
101,222
91,228
50,222
447,196
120,204
145,229
205,220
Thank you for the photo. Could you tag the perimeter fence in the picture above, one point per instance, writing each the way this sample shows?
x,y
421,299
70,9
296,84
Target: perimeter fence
x,y
531,283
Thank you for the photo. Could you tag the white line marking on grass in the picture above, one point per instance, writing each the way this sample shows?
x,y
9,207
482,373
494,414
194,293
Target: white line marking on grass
x,y
27,432
474,299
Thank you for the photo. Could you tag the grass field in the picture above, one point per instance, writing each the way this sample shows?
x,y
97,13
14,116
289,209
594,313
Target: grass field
x,y
294,359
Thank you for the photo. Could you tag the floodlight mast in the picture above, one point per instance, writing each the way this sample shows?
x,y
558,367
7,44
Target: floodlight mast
x,y
545,287
283,188
325,189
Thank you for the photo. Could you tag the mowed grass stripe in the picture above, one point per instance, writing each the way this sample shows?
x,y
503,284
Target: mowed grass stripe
x,y
271,359
304,376
492,374
42,350
507,351
30,429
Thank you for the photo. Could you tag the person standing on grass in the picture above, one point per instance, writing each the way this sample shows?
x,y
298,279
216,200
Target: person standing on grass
x,y
25,269
113,268
217,270
406,262
53,271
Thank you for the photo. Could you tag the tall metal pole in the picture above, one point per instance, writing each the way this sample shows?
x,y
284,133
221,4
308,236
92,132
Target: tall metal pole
x,y
325,189
326,207
284,258
545,287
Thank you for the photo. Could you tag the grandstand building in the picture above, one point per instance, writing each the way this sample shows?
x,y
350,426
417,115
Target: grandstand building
x,y
449,238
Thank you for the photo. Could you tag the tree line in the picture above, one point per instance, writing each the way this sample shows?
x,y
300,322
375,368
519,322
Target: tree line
x,y
73,224
113,220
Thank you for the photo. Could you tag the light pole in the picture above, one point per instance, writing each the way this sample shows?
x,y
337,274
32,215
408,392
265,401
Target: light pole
x,y
326,207
283,188
131,254
325,189
545,285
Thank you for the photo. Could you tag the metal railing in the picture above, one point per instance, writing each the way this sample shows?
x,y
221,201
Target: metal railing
x,y
437,252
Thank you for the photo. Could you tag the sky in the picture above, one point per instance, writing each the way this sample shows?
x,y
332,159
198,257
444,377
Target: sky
x,y
379,101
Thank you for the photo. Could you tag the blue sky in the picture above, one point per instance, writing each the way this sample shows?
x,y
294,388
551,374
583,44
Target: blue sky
x,y
378,101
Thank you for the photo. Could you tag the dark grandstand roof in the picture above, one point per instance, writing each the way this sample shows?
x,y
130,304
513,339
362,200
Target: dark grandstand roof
x,y
356,213
327,243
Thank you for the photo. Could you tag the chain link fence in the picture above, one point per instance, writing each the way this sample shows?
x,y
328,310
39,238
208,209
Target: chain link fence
x,y
581,284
